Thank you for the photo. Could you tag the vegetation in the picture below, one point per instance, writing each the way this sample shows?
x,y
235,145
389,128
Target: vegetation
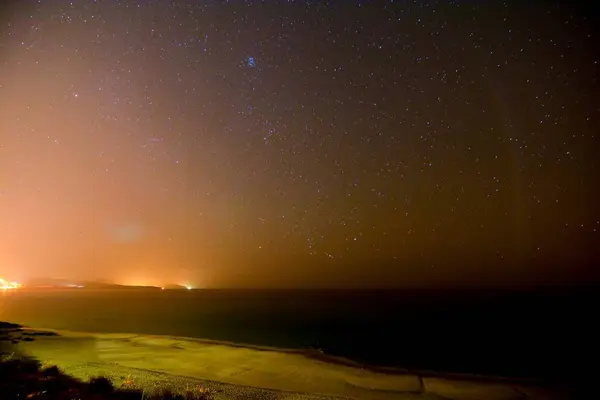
x,y
24,378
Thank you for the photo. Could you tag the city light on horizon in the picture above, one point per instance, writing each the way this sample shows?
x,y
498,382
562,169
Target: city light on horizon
x,y
7,285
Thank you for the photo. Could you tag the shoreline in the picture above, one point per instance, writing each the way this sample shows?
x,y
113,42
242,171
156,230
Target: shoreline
x,y
235,367
313,354
392,332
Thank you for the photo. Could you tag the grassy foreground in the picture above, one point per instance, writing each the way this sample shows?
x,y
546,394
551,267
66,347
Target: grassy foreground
x,y
23,377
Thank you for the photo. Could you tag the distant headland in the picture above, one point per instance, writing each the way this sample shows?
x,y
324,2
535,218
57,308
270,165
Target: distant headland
x,y
59,283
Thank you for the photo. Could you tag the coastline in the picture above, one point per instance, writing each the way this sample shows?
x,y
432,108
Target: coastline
x,y
235,368
314,354
396,330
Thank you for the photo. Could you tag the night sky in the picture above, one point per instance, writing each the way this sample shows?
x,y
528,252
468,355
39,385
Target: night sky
x,y
299,143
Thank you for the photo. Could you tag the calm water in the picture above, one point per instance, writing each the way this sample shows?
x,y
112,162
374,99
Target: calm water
x,y
538,335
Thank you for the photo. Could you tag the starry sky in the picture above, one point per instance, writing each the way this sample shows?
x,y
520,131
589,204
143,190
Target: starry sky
x,y
299,143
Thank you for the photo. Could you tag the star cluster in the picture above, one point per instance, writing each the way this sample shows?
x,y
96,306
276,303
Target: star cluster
x,y
299,143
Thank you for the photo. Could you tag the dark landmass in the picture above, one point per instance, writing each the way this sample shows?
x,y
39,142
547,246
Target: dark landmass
x,y
15,333
53,283
174,287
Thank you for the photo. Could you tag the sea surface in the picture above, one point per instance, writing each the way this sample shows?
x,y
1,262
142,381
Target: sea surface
x,y
543,334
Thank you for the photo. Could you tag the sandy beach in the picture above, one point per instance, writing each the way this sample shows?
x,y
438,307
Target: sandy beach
x,y
234,371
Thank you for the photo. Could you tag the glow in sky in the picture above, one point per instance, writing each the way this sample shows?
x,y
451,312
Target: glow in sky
x,y
298,143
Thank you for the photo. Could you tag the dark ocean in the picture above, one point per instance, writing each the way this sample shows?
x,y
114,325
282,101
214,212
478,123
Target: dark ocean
x,y
543,334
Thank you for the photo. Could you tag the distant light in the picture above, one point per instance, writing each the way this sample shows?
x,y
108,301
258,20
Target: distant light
x,y
188,287
6,285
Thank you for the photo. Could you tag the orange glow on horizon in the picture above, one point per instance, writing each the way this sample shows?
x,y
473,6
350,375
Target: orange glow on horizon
x,y
141,281
138,283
